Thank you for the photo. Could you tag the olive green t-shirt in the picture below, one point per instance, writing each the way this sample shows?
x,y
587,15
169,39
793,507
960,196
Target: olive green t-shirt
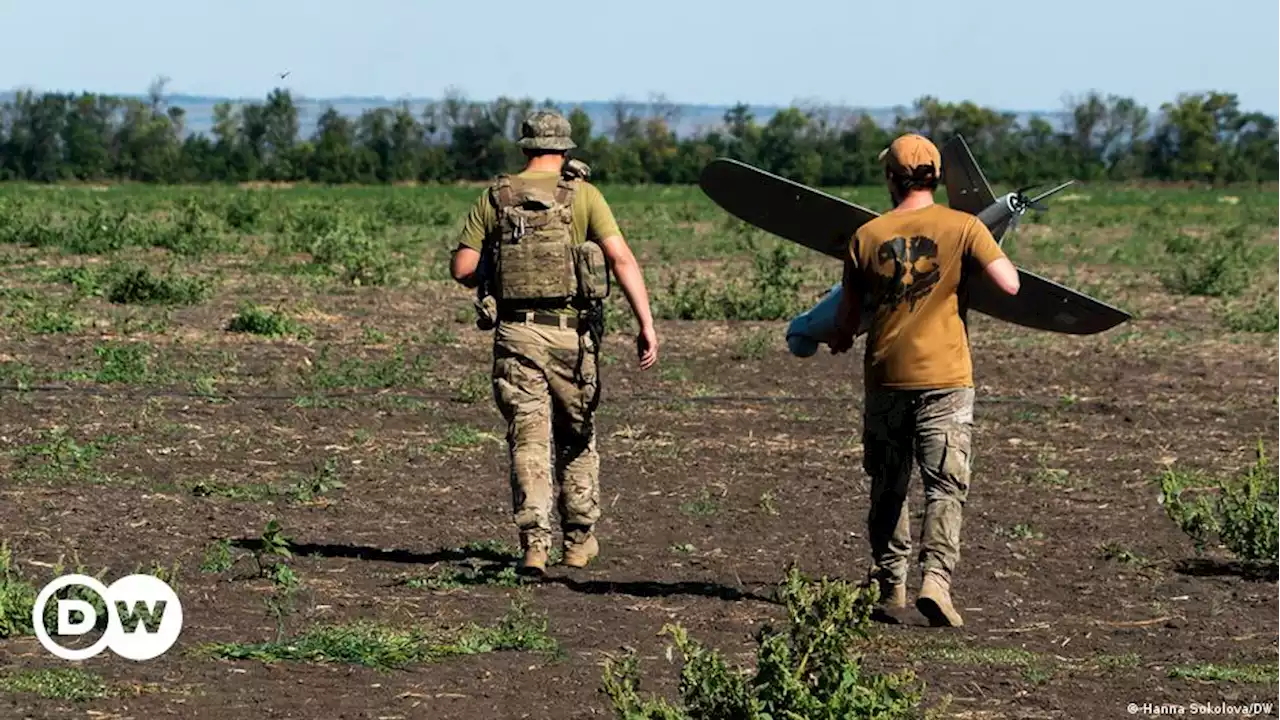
x,y
912,263
592,218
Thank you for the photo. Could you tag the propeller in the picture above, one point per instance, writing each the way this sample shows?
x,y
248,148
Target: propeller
x,y
1020,203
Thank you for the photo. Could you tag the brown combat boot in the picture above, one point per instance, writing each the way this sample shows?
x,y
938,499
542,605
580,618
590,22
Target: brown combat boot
x,y
578,553
892,601
934,602
535,558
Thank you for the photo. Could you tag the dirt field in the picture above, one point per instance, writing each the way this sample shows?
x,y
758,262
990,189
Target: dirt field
x,y
149,437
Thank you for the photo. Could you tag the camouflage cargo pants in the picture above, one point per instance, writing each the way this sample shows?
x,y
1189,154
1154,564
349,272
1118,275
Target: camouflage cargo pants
x,y
545,404
931,428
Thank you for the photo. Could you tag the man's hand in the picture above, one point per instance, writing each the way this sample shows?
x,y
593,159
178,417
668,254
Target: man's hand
x,y
647,347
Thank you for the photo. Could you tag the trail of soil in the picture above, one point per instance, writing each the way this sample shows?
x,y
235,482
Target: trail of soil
x,y
706,501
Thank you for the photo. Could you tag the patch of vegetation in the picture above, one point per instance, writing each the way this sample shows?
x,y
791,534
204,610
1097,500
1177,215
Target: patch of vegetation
x,y
17,597
139,285
703,506
1216,266
355,254
808,670
380,646
767,504
250,492
772,293
70,684
1239,510
258,320
1020,531
51,321
753,346
1261,315
471,574
1118,553
351,372
217,557
484,562
473,387
1260,674
980,656
322,481
59,456
459,436
127,363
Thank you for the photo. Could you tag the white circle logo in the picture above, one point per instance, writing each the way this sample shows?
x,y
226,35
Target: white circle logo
x,y
144,617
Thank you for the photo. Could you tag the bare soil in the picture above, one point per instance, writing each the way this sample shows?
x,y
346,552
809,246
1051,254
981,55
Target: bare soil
x,y
718,469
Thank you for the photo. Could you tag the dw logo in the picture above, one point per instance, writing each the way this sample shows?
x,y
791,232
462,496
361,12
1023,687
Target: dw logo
x,y
144,617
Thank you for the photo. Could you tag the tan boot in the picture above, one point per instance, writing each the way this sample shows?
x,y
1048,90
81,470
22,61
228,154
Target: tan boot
x,y
934,602
892,601
535,558
578,554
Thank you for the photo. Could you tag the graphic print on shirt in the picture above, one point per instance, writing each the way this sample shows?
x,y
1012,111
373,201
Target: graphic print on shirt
x,y
908,270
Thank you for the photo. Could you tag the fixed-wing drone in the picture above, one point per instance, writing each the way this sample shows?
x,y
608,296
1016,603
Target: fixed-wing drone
x,y
827,223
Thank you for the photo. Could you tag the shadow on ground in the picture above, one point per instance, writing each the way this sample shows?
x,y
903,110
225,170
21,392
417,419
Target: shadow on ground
x,y
1205,567
635,588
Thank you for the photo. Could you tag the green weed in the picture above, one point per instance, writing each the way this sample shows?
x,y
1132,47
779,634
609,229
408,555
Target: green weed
x,y
393,371
1226,673
70,684
379,646
1217,266
703,506
321,482
258,320
753,346
1239,510
473,388
807,670
139,285
217,557
354,254
1261,315
127,363
17,597
772,293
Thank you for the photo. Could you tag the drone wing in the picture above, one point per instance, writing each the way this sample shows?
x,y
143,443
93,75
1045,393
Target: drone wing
x,y
783,207
1042,304
967,188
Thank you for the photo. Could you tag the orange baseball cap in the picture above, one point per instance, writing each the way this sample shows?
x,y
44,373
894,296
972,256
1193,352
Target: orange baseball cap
x,y
909,154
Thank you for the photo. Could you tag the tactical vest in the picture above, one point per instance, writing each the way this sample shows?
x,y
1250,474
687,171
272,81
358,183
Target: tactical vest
x,y
537,261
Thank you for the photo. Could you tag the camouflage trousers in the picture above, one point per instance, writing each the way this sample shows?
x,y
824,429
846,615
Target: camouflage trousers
x,y
548,402
931,429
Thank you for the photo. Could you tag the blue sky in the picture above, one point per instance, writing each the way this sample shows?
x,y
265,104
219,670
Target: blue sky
x,y
1015,55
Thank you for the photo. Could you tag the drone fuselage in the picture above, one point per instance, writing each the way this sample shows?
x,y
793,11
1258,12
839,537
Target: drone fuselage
x,y
997,215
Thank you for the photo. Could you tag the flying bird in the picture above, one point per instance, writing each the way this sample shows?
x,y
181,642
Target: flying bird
x,y
285,74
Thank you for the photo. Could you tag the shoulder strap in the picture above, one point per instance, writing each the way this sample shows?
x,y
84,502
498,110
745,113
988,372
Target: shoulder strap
x,y
501,191
565,189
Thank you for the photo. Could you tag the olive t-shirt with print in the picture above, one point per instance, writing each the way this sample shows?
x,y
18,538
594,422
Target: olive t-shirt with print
x,y
913,263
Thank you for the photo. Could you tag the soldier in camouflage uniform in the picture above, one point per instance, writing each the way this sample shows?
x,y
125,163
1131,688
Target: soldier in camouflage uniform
x,y
541,246
915,260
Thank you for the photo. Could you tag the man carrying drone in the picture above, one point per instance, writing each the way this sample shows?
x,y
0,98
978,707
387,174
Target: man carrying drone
x,y
913,262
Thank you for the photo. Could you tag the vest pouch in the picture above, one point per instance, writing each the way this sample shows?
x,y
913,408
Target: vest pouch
x,y
536,271
592,271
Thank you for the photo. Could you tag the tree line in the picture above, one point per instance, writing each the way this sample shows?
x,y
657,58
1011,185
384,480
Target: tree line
x,y
53,137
